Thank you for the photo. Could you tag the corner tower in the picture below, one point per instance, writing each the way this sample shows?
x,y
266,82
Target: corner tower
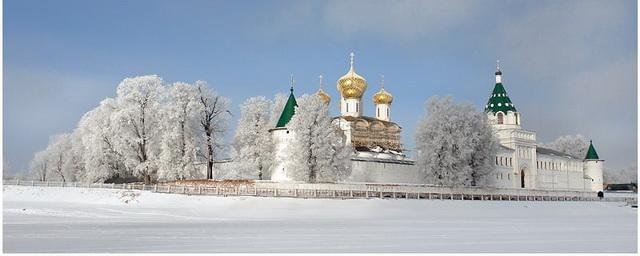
x,y
282,137
593,168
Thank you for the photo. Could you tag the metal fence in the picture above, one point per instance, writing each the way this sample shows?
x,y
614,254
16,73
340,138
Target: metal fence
x,y
345,191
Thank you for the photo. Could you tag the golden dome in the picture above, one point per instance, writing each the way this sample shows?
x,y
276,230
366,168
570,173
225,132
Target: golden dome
x,y
324,96
351,85
382,97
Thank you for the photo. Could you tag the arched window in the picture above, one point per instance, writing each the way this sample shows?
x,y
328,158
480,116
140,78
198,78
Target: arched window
x,y
500,118
387,112
357,107
516,115
378,111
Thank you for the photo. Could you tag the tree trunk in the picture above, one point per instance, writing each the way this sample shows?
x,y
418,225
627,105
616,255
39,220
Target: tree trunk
x,y
209,156
147,179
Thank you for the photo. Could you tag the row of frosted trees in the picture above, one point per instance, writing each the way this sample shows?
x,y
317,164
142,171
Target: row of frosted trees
x,y
150,130
156,131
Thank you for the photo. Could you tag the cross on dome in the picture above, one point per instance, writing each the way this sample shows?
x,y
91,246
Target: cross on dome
x,y
352,56
292,82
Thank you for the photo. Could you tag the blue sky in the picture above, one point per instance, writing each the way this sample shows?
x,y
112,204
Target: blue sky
x,y
569,66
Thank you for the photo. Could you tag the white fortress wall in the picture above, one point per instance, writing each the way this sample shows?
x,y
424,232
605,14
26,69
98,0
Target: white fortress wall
x,y
555,172
384,171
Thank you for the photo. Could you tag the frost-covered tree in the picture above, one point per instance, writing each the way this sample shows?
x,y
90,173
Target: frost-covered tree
x,y
99,153
318,151
137,124
213,114
180,133
454,143
38,166
575,145
75,162
252,141
59,156
56,162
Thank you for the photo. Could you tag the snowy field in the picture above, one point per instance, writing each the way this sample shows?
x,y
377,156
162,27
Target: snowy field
x,y
38,219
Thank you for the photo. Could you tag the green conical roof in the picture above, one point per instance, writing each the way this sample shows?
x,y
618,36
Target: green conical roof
x,y
591,153
499,101
288,111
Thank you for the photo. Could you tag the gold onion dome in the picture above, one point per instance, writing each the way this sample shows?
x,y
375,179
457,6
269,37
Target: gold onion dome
x,y
382,96
352,85
323,95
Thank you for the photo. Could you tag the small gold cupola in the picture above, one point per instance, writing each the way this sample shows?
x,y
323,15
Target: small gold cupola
x,y
352,85
322,94
382,96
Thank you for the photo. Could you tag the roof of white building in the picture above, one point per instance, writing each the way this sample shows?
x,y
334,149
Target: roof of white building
x,y
551,152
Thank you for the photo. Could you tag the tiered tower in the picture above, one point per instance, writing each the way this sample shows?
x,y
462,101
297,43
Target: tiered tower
x,y
505,122
503,113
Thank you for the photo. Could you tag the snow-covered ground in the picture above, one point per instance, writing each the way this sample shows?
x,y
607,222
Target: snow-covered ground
x,y
38,219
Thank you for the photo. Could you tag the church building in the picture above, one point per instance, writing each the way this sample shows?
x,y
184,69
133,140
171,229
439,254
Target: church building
x,y
379,154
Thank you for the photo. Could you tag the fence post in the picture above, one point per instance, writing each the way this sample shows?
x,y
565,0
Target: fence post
x,y
47,184
199,190
366,193
17,182
255,191
351,193
275,192
33,183
334,194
